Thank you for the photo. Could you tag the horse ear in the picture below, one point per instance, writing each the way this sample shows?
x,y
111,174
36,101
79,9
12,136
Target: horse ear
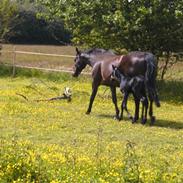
x,y
77,51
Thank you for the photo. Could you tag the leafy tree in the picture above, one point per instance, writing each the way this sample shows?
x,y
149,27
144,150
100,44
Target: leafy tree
x,y
27,28
7,11
24,26
137,24
150,25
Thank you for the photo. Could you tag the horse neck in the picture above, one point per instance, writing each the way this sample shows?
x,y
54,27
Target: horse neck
x,y
92,61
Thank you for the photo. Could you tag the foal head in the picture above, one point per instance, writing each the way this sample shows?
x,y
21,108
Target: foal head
x,y
128,84
121,78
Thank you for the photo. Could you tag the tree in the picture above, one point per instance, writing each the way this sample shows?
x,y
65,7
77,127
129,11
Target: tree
x,y
149,25
138,24
7,11
27,28
24,26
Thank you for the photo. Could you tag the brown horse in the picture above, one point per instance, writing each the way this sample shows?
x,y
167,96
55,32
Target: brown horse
x,y
132,64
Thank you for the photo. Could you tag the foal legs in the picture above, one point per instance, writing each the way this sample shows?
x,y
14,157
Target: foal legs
x,y
137,103
124,106
114,100
144,105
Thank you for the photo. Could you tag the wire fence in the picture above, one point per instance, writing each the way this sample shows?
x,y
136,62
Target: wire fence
x,y
37,60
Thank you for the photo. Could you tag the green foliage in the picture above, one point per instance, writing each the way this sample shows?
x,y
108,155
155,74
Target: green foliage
x,y
27,28
132,163
20,24
155,26
145,25
7,11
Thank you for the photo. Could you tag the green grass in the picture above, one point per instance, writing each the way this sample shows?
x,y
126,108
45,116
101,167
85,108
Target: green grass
x,y
46,141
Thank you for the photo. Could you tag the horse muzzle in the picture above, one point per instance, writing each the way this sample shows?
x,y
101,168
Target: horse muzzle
x,y
75,75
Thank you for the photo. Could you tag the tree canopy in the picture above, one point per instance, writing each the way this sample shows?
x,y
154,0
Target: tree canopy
x,y
155,25
7,11
19,23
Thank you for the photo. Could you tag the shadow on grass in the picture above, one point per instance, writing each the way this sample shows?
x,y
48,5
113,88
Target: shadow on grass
x,y
159,122
109,116
168,124
171,91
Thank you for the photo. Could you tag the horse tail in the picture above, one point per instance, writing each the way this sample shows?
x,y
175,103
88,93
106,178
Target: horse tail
x,y
150,78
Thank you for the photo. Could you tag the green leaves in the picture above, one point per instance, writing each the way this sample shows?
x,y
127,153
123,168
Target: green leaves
x,y
135,25
7,11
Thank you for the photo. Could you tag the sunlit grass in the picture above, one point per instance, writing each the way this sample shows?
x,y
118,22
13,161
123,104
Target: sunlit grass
x,y
55,141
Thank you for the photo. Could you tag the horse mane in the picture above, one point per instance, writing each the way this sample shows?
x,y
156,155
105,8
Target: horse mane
x,y
99,51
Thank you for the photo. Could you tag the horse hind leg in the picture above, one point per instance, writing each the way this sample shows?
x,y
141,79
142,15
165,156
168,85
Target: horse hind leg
x,y
152,118
114,100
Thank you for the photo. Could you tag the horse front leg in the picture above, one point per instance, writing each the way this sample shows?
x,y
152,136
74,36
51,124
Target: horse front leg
x,y
92,97
114,100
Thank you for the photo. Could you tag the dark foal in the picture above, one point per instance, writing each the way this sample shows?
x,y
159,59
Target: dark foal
x,y
136,86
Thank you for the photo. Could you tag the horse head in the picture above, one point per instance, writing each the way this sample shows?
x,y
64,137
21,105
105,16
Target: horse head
x,y
80,62
90,57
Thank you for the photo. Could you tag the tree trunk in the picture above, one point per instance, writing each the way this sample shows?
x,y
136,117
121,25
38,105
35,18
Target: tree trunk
x,y
165,67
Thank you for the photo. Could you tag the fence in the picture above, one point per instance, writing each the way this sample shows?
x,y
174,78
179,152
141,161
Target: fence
x,y
32,60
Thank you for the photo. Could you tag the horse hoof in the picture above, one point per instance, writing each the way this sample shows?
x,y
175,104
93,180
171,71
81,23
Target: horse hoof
x,y
88,112
117,118
153,119
134,120
143,121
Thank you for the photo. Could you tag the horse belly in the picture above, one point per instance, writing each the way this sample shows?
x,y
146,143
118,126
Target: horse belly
x,y
110,83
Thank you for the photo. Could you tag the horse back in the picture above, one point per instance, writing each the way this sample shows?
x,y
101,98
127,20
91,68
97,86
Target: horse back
x,y
133,64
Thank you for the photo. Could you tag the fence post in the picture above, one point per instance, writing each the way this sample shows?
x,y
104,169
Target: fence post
x,y
1,47
14,61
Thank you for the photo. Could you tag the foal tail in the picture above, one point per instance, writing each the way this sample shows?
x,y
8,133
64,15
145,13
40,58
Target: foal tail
x,y
150,78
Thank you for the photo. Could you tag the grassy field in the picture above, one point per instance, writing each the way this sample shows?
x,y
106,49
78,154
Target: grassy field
x,y
56,142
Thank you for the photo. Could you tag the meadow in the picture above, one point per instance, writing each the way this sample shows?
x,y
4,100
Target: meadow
x,y
56,142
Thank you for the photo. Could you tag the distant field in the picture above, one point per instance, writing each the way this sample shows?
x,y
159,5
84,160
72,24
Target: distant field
x,y
56,142
41,61
175,72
